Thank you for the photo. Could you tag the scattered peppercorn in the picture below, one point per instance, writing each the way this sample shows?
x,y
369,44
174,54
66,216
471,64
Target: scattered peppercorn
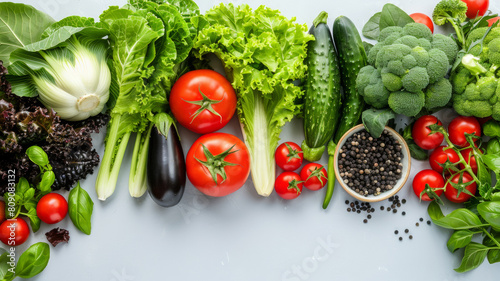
x,y
365,220
394,211
381,208
403,201
369,216
417,224
411,237
407,230
400,238
429,222
348,209
396,232
346,202
403,213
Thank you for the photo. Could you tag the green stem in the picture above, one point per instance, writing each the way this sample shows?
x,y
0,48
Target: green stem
x,y
331,174
462,159
137,182
321,18
491,237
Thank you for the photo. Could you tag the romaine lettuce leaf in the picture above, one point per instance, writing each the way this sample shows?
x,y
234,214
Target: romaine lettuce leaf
x,y
262,52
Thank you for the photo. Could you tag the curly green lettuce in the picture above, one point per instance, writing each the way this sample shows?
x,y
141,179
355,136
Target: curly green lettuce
x,y
262,51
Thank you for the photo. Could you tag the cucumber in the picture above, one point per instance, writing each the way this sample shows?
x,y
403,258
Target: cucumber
x,y
352,57
322,100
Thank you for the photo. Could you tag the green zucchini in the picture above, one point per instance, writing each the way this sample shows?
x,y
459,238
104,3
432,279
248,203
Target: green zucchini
x,y
352,57
322,100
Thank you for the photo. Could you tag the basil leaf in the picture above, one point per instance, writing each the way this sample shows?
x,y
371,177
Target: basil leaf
x,y
491,128
416,151
459,239
493,254
33,260
490,211
371,29
493,146
47,181
474,256
34,220
80,208
392,15
37,155
458,219
28,194
4,266
492,161
21,188
375,120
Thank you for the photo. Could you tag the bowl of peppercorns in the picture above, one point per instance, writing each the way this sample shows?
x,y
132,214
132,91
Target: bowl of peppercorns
x,y
372,169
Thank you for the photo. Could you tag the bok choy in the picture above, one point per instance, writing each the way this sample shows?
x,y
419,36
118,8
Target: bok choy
x,y
63,63
262,52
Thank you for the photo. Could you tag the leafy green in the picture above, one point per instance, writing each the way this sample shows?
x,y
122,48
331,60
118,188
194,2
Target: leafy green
x,y
392,15
80,207
371,29
262,51
20,25
375,120
33,260
149,39
459,239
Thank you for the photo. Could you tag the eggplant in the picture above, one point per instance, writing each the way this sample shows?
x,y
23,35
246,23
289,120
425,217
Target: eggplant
x,y
166,170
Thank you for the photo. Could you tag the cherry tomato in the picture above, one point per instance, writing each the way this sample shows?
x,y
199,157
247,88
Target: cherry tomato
x,y
476,7
52,208
461,125
288,185
314,176
202,101
14,232
423,18
2,211
218,164
451,192
431,178
289,156
421,134
468,155
440,155
493,21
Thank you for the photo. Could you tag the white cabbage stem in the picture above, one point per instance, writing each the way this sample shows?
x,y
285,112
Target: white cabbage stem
x,y
79,87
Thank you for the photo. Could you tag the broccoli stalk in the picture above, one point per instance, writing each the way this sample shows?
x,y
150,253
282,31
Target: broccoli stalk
x,y
454,12
471,62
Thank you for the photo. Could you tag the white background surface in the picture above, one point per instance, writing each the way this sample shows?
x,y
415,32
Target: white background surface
x,y
244,236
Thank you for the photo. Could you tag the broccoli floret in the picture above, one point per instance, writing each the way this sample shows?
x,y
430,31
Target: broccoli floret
x,y
478,33
472,64
438,94
408,40
437,66
446,10
494,51
460,78
421,56
478,98
486,87
369,85
445,44
409,61
409,104
372,54
415,80
424,43
391,81
388,31
395,67
388,53
418,30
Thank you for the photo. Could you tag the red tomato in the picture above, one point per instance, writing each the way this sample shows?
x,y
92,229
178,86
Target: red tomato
x,y
476,7
2,211
288,185
440,155
423,18
493,21
451,192
202,101
14,232
52,208
429,177
314,176
218,164
421,134
468,155
461,125
289,156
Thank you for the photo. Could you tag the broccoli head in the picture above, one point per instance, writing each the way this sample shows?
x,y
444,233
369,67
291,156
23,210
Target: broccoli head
x,y
409,104
449,10
408,59
437,95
